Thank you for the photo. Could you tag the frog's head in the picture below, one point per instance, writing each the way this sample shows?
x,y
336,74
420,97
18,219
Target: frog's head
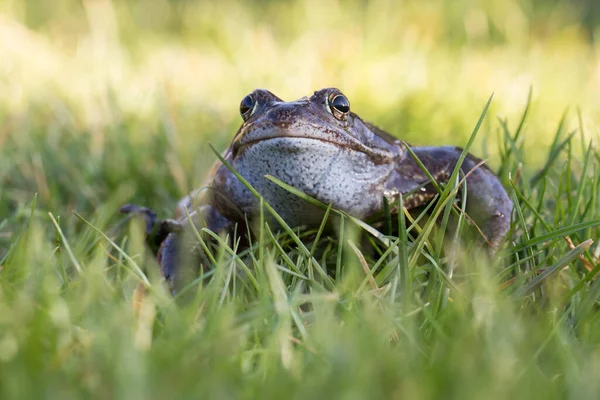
x,y
315,144
324,117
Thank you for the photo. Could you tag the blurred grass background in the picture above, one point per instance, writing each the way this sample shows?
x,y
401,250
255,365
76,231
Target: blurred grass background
x,y
422,70
170,74
104,102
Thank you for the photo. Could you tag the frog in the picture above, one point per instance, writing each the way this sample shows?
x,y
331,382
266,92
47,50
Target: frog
x,y
320,147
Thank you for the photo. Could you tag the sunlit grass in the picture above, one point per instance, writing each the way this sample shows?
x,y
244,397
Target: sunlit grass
x,y
104,103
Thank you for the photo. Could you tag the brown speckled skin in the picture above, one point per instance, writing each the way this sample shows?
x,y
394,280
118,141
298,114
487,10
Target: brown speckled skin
x,y
344,161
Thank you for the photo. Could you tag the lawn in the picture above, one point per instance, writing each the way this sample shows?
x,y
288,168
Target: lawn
x,y
106,102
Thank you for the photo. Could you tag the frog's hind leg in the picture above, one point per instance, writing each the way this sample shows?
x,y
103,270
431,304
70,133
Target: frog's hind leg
x,y
488,205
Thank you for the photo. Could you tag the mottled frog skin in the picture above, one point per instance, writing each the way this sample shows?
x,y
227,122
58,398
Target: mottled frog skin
x,y
320,147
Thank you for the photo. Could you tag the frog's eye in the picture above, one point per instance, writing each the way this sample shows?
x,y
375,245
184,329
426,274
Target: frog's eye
x,y
247,106
339,106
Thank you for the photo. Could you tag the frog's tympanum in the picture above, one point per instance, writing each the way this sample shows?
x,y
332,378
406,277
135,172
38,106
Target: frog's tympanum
x,y
319,146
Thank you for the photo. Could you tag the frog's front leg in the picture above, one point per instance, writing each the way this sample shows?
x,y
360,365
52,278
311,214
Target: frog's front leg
x,y
488,204
181,249
173,241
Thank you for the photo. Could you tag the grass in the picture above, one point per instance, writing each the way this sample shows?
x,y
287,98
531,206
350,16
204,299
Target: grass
x,y
301,313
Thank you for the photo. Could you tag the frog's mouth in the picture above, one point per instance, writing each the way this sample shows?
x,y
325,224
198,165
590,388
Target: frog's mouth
x,y
327,137
245,145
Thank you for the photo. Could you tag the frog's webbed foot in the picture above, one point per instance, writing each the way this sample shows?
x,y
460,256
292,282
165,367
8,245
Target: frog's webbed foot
x,y
156,229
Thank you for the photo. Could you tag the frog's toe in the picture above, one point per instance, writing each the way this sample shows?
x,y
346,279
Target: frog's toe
x,y
149,216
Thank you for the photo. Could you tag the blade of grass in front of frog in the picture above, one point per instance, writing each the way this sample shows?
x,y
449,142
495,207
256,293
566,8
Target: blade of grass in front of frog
x,y
291,273
387,217
379,216
449,197
368,228
402,272
404,268
340,250
297,192
368,271
414,223
417,249
194,283
466,149
261,235
67,247
461,158
392,266
445,278
285,256
461,218
558,265
520,218
295,268
199,238
135,268
393,248
232,253
320,231
451,265
277,217
383,258
285,316
432,180
63,272
228,277
56,252
374,232
453,177
445,217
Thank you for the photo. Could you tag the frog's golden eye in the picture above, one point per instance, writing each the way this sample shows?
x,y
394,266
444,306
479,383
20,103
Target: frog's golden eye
x,y
247,106
339,106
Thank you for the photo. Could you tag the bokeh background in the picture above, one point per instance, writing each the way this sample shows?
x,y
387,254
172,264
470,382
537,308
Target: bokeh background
x,y
105,102
98,95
